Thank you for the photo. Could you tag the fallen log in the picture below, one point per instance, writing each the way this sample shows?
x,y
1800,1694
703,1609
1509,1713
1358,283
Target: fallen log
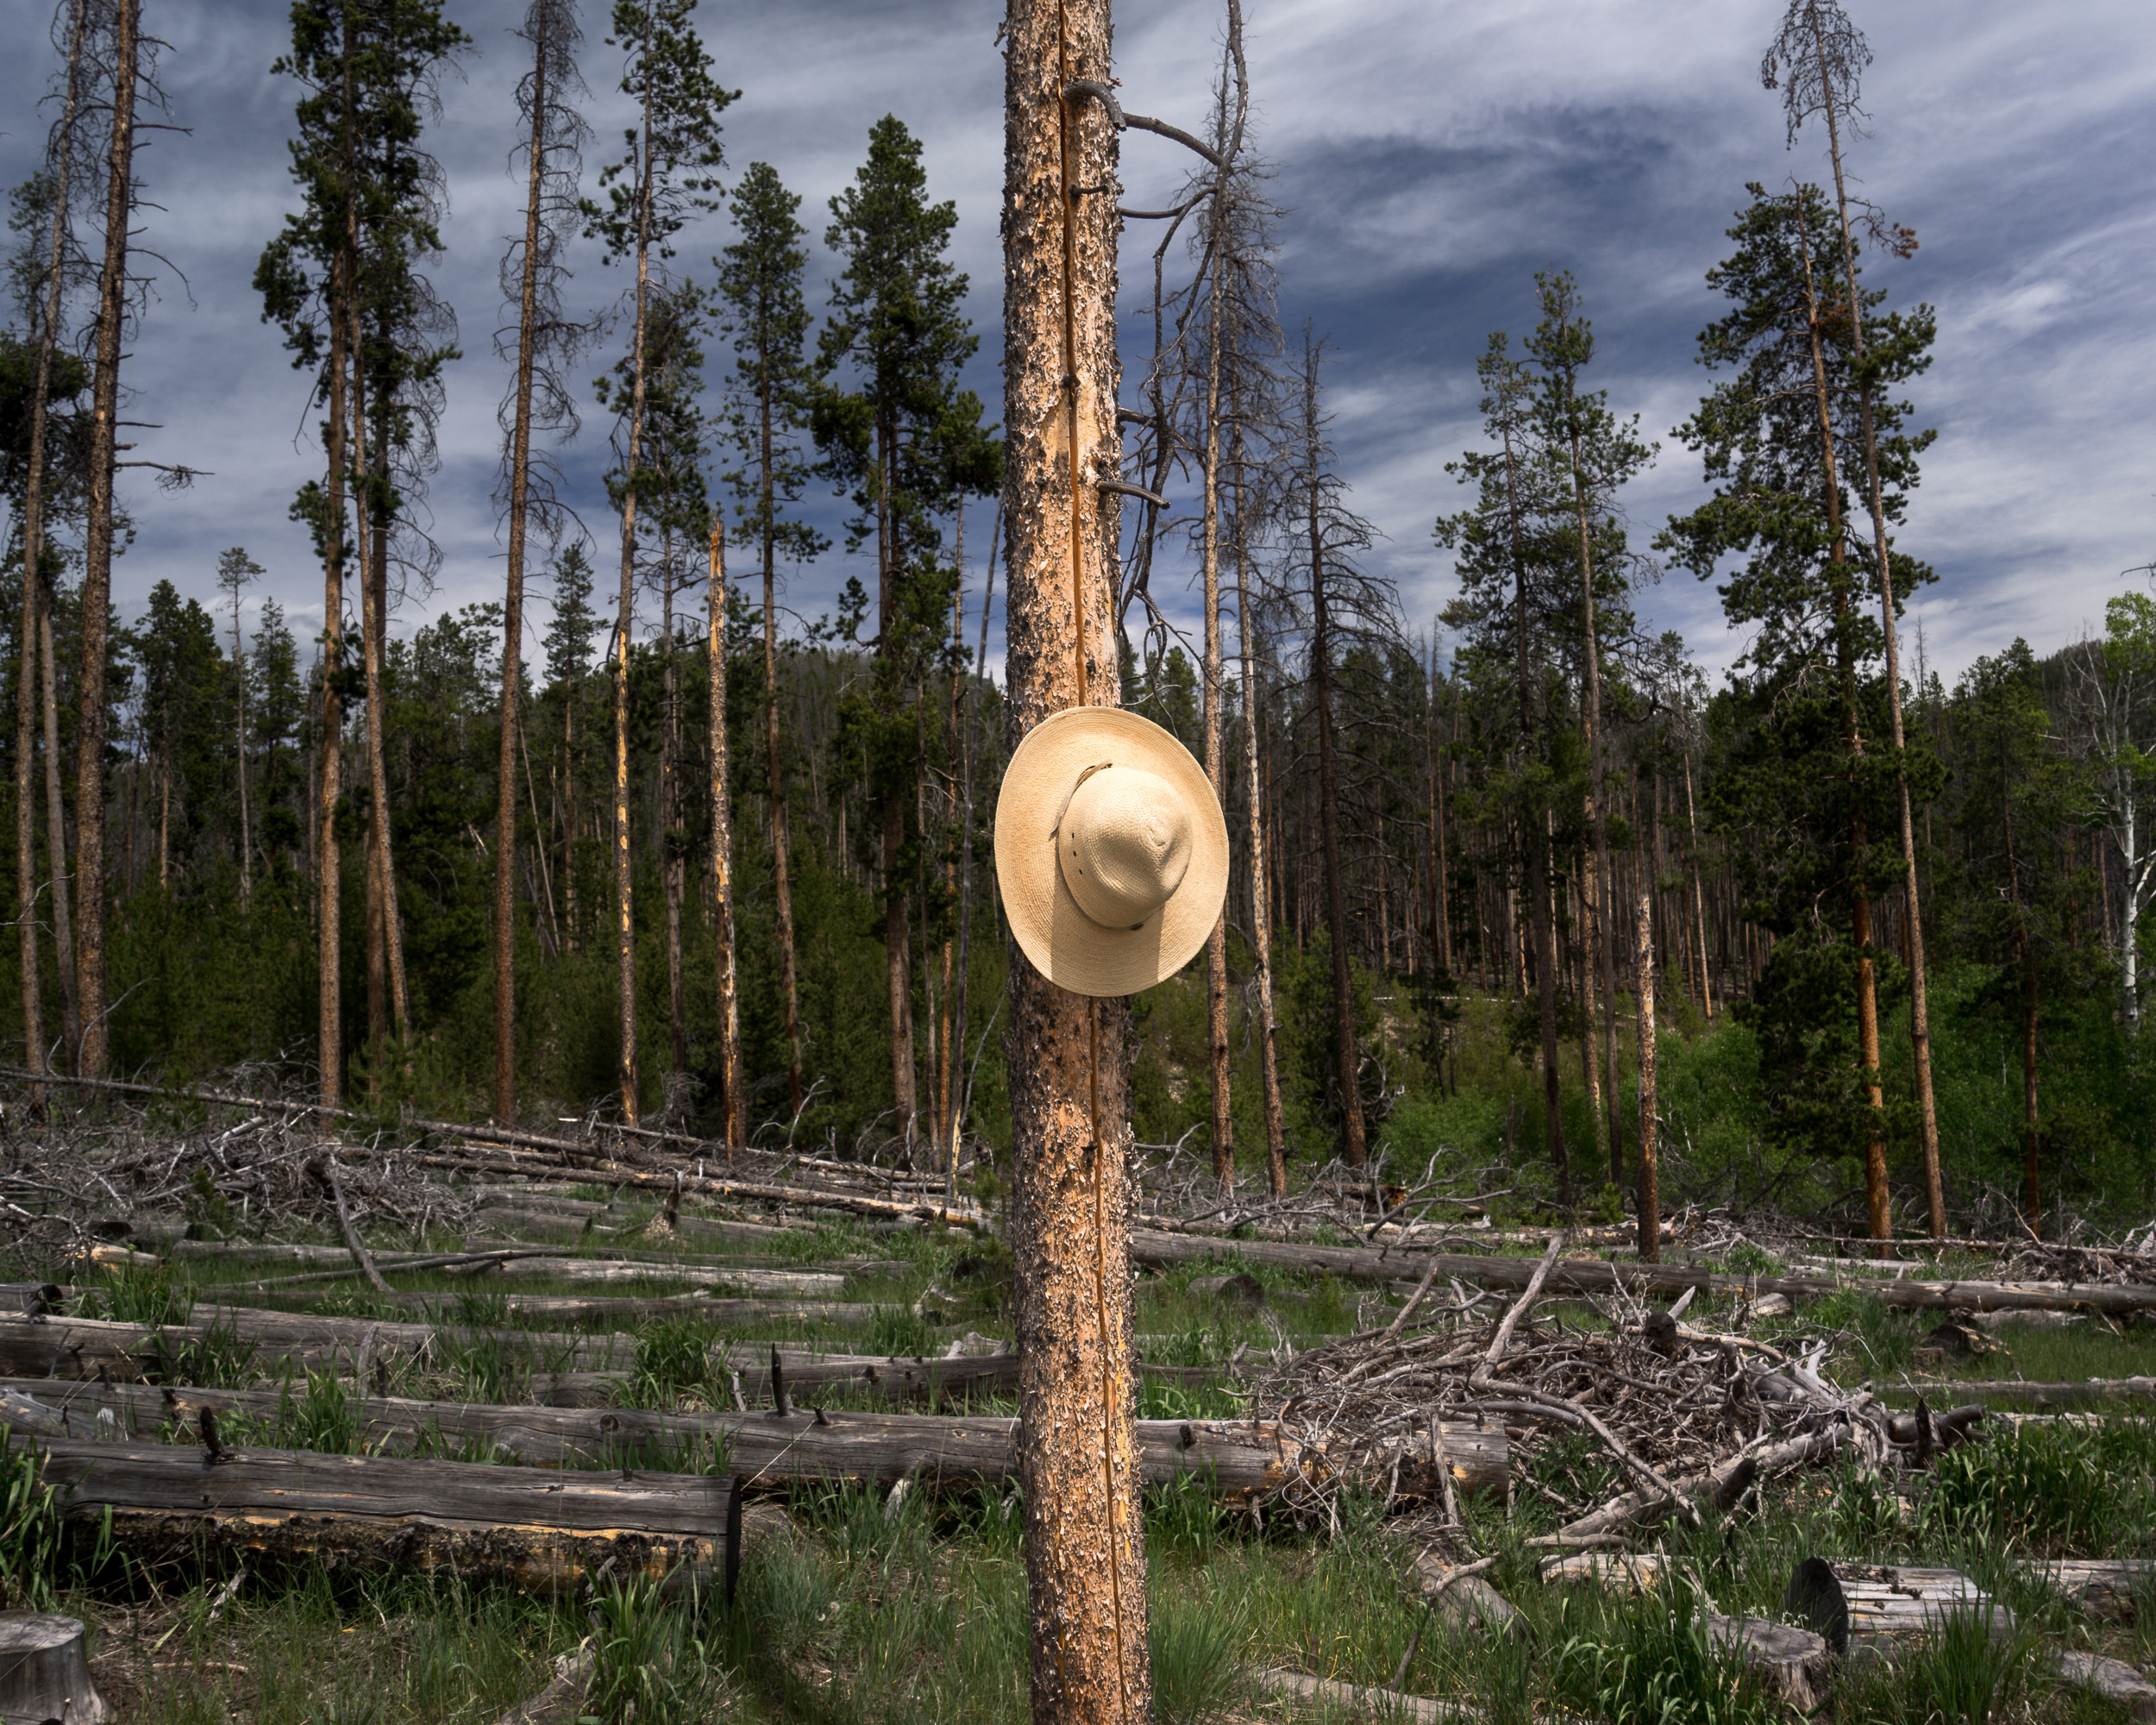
x,y
2083,1389
798,1285
1613,1572
633,1307
1878,1609
267,1341
536,1528
45,1672
1464,1604
1592,1275
1721,1485
2107,1589
1352,1701
1238,1457
2114,1680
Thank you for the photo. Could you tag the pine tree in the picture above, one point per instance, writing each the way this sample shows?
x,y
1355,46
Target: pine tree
x,y
568,647
236,569
760,286
1769,436
893,443
664,181
538,400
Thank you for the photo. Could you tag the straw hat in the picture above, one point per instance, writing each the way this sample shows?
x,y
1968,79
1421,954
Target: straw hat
x,y
1111,851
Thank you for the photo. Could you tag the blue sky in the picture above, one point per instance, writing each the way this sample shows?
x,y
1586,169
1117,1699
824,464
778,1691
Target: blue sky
x,y
1430,158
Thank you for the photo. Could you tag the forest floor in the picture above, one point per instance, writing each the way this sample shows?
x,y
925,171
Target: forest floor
x,y
875,1608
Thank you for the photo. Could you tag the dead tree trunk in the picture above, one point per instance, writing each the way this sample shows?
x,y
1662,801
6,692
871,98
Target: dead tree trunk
x,y
97,585
1084,1552
1649,1123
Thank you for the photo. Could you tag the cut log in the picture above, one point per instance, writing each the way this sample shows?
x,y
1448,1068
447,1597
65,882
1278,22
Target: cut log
x,y
533,1526
45,1673
1237,1458
1592,1275
1352,1701
1613,1572
503,1221
84,1347
1879,1608
2083,1389
1466,1604
2107,1589
2112,1679
633,1309
795,1284
1789,1662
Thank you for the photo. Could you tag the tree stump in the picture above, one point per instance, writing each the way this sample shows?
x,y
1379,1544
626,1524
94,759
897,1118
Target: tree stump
x,y
1872,1609
1791,1663
45,1673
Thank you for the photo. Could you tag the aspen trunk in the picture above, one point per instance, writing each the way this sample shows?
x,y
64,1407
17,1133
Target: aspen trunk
x,y
97,588
513,610
1650,1120
1084,1553
722,856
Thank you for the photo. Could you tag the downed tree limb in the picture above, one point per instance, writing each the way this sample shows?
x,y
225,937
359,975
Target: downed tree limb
x,y
84,1347
1353,1701
2085,1389
535,1527
1721,1485
1592,1275
561,1700
351,1234
1239,1458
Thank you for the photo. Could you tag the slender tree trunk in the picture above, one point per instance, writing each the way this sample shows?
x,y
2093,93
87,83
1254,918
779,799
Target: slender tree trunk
x,y
56,832
965,842
1084,1536
781,859
96,589
624,901
329,786
1261,901
37,629
723,854
672,860
1649,1123
897,932
239,754
513,605
1699,897
1920,1008
371,520
2032,1190
1216,684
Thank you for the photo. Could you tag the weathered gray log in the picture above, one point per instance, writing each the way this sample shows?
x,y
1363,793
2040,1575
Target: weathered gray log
x,y
1788,1662
1239,1457
528,1196
1880,1608
2082,1390
1466,1604
45,1672
2114,1680
794,1284
1590,1276
84,1347
535,1526
2107,1589
635,1308
561,1700
1354,1702
24,1413
1614,1571
503,1220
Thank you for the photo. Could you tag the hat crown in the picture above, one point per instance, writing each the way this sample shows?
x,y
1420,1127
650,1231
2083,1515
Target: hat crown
x,y
1124,844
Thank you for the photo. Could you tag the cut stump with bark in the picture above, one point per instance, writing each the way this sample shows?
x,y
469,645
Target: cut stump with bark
x,y
45,1672
1792,1664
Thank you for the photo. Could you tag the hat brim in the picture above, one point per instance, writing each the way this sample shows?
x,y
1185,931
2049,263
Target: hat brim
x,y
1065,944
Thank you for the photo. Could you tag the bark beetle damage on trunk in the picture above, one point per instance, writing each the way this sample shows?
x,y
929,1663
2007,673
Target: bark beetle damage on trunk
x,y
1085,1565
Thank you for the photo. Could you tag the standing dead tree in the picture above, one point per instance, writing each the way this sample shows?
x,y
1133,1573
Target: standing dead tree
x,y
545,341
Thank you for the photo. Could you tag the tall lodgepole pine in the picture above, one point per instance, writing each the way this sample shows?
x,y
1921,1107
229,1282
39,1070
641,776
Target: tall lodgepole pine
x,y
1825,54
759,282
658,185
1084,1563
97,588
59,186
554,134
736,1112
